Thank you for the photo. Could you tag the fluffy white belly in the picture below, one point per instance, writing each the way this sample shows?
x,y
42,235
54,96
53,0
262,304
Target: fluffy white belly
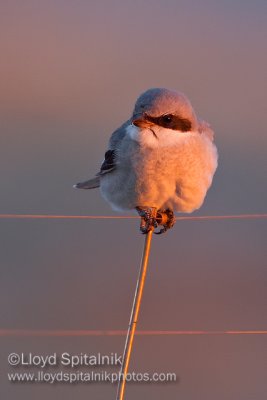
x,y
175,177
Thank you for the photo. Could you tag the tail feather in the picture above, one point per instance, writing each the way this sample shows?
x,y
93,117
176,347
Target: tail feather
x,y
91,184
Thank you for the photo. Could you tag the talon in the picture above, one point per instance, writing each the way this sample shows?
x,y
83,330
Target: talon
x,y
162,230
148,219
151,218
166,219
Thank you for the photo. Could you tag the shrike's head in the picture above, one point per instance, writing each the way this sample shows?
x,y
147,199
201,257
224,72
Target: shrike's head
x,y
161,117
164,108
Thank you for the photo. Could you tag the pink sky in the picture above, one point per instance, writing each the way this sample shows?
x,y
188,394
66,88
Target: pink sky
x,y
70,73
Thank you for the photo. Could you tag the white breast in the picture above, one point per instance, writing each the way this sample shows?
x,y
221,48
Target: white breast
x,y
172,170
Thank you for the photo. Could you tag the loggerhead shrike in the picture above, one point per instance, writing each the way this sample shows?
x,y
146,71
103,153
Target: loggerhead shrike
x,y
162,158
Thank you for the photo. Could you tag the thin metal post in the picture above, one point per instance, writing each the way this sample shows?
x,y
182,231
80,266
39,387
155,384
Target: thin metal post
x,y
134,316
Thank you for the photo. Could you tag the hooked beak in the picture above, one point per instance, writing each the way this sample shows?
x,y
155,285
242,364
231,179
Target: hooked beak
x,y
142,122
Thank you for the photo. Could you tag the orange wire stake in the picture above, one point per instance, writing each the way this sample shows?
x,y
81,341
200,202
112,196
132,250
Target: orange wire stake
x,y
134,314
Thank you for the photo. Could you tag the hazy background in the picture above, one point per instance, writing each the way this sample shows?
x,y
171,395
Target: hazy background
x,y
70,72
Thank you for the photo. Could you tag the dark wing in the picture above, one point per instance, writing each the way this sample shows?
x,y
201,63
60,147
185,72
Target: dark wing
x,y
107,166
109,163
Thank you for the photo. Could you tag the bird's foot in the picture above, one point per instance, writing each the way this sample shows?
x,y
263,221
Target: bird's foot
x,y
151,218
148,218
166,219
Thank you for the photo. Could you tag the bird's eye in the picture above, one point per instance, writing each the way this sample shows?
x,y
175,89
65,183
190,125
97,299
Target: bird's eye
x,y
167,119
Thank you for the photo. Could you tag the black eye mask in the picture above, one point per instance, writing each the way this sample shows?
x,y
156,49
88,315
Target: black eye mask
x,y
171,121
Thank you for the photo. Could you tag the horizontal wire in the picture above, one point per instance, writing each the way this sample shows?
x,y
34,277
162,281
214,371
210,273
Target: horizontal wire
x,y
186,218
25,332
44,216
73,333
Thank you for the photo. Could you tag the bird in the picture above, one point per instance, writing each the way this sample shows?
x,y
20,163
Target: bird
x,y
162,158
